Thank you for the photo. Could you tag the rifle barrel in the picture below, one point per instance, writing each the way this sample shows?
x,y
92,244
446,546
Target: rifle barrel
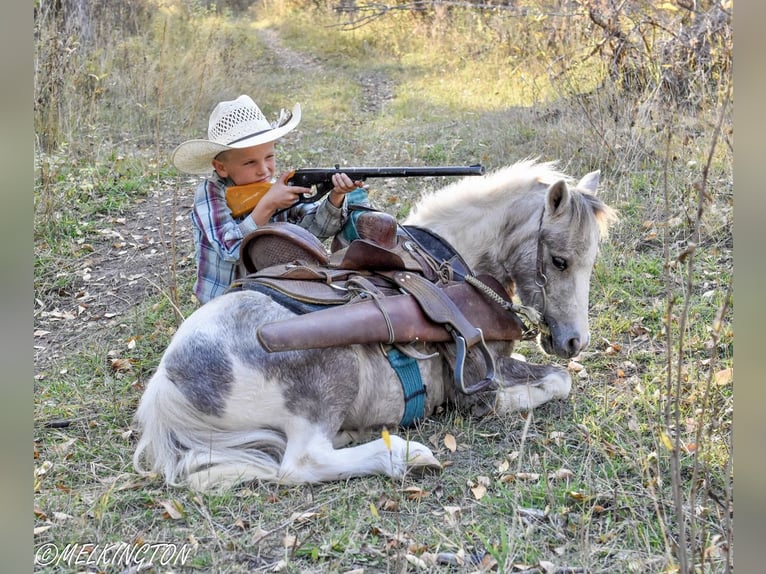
x,y
419,171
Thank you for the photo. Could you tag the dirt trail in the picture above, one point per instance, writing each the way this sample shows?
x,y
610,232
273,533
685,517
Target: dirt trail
x,y
129,258
127,261
377,87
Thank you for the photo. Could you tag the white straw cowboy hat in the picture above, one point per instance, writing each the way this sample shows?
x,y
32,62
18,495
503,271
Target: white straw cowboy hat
x,y
233,124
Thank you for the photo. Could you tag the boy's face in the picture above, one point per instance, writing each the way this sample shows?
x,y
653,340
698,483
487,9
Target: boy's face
x,y
247,165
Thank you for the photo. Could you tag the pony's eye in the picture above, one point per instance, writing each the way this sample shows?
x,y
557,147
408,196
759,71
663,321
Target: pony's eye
x,y
559,263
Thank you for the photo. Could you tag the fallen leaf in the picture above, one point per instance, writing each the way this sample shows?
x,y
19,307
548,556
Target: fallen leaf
x,y
479,491
173,509
561,474
575,367
384,434
415,561
43,468
666,441
488,563
532,513
121,365
300,517
451,558
41,529
62,449
528,476
450,442
452,513
557,436
387,503
415,493
548,567
724,377
612,350
578,496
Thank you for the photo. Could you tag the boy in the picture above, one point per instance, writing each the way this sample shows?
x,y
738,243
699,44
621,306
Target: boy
x,y
241,149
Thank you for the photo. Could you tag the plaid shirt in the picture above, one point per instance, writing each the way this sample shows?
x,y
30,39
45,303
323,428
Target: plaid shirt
x,y
218,236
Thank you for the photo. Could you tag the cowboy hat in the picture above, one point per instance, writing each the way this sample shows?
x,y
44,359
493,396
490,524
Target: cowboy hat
x,y
233,124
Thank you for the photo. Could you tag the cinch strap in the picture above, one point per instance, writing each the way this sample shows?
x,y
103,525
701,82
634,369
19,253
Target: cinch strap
x,y
406,368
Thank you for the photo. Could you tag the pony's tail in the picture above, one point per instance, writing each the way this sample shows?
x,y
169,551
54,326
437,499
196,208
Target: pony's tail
x,y
178,443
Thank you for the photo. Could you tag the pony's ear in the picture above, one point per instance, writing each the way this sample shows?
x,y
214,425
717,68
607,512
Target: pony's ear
x,y
589,181
557,198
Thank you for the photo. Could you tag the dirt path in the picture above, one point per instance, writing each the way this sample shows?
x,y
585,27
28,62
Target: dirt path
x,y
129,259
377,87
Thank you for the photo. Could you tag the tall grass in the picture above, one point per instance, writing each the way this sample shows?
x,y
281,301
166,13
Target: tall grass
x,y
646,436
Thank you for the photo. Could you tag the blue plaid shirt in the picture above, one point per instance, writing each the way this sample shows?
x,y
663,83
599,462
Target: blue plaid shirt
x,y
218,235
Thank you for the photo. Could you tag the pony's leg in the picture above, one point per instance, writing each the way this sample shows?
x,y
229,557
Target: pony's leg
x,y
311,457
526,386
346,437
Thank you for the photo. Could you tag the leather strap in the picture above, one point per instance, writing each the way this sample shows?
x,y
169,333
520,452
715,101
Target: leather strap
x,y
442,310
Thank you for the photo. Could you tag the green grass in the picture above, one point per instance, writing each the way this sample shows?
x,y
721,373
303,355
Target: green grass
x,y
473,89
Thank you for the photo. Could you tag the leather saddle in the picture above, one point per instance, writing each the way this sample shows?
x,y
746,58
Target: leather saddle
x,y
391,285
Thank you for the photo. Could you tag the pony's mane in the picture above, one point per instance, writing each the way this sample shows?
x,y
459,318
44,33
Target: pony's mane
x,y
490,194
605,216
517,176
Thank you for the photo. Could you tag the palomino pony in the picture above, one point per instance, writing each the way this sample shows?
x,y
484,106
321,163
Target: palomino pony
x,y
220,410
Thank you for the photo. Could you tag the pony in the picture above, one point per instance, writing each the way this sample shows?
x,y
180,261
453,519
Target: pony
x,y
219,410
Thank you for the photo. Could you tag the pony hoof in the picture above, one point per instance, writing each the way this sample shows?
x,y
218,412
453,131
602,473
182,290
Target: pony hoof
x,y
422,462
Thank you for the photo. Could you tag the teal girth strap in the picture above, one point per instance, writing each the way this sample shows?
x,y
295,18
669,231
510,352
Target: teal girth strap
x,y
406,368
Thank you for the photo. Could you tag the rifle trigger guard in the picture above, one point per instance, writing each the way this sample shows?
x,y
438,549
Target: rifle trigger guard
x,y
488,382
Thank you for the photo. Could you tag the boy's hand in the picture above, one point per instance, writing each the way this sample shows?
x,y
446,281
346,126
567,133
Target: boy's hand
x,y
279,196
343,185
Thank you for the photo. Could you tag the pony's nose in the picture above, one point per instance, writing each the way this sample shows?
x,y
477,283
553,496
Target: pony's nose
x,y
577,344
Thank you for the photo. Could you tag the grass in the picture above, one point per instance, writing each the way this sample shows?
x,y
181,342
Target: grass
x,y
591,483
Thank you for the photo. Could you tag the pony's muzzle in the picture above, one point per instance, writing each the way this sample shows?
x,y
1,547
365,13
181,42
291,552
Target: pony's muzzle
x,y
565,344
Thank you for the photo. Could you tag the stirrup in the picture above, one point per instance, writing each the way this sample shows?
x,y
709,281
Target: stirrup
x,y
485,384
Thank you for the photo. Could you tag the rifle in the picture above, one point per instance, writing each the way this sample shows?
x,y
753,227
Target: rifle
x,y
241,199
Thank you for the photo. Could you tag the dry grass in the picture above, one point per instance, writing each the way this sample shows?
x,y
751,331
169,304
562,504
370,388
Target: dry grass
x,y
602,482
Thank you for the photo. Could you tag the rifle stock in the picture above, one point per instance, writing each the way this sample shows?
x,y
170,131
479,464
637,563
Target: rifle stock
x,y
241,199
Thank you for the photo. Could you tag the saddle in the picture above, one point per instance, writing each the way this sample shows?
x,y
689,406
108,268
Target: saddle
x,y
389,284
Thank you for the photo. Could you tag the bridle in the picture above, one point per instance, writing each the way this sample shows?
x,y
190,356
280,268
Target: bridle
x,y
533,317
541,279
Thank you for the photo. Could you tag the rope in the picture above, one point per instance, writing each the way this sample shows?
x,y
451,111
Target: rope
x,y
529,313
